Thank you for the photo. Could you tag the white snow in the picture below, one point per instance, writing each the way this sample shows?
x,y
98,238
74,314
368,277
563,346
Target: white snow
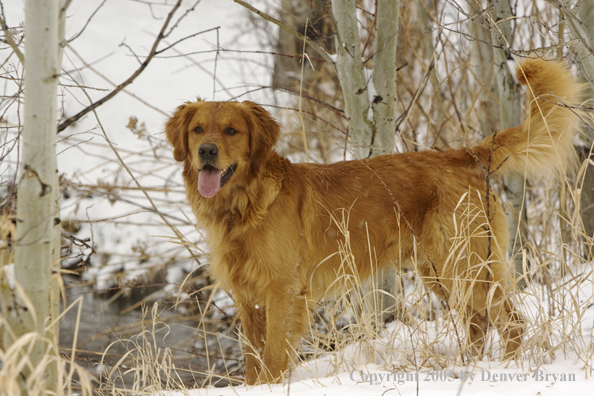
x,y
566,375
370,380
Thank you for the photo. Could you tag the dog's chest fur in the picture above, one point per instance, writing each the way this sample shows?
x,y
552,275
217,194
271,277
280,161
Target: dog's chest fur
x,y
243,236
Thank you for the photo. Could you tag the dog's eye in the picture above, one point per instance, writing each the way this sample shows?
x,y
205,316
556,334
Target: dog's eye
x,y
198,129
230,131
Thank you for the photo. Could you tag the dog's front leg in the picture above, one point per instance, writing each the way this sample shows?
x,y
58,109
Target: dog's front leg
x,y
286,313
253,322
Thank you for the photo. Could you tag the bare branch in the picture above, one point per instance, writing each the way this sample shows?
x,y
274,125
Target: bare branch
x,y
577,26
185,38
77,35
294,56
65,124
91,68
181,18
9,38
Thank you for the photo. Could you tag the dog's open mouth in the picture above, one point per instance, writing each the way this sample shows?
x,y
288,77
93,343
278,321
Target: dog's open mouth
x,y
211,179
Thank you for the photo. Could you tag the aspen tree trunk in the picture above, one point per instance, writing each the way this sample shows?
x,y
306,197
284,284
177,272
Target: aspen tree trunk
x,y
371,134
584,32
349,67
53,332
424,20
28,310
384,120
482,59
510,116
384,76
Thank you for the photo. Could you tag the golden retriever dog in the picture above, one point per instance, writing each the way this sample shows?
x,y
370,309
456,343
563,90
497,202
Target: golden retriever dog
x,y
273,229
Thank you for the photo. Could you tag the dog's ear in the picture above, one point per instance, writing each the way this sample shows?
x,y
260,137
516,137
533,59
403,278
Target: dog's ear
x,y
176,130
264,130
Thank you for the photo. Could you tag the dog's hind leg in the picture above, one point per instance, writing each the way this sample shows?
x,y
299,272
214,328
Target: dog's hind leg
x,y
508,321
477,324
467,291
511,329
502,314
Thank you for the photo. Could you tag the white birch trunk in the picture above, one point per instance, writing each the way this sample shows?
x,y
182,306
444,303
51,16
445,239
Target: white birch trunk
x,y
583,30
384,120
53,332
36,201
384,76
377,137
510,116
349,67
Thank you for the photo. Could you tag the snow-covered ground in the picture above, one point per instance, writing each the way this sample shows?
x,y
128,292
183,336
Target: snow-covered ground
x,y
391,365
564,376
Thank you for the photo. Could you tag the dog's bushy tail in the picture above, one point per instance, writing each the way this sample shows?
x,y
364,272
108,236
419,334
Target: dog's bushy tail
x,y
541,146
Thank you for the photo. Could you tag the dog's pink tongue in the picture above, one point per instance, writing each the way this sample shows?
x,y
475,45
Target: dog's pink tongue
x,y
209,182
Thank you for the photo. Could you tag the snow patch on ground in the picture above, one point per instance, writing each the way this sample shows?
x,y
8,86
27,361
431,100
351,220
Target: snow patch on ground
x,y
564,376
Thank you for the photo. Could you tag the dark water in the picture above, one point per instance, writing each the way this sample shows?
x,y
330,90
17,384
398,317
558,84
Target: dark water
x,y
108,329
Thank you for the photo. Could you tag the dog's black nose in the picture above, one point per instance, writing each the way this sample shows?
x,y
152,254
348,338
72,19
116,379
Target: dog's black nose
x,y
208,151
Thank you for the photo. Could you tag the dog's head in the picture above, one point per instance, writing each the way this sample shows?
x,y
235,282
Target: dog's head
x,y
223,141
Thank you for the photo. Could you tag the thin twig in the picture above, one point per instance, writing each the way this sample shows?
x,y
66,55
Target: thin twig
x,y
294,56
9,38
188,37
91,68
339,112
66,123
181,18
303,136
77,35
489,234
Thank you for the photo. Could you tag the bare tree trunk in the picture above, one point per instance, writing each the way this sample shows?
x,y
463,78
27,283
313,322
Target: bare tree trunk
x,y
377,137
583,30
287,70
312,19
349,66
510,116
384,76
384,119
423,7
482,59
53,332
29,306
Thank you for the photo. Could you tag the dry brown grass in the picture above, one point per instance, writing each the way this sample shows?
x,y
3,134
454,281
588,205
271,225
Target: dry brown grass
x,y
558,297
